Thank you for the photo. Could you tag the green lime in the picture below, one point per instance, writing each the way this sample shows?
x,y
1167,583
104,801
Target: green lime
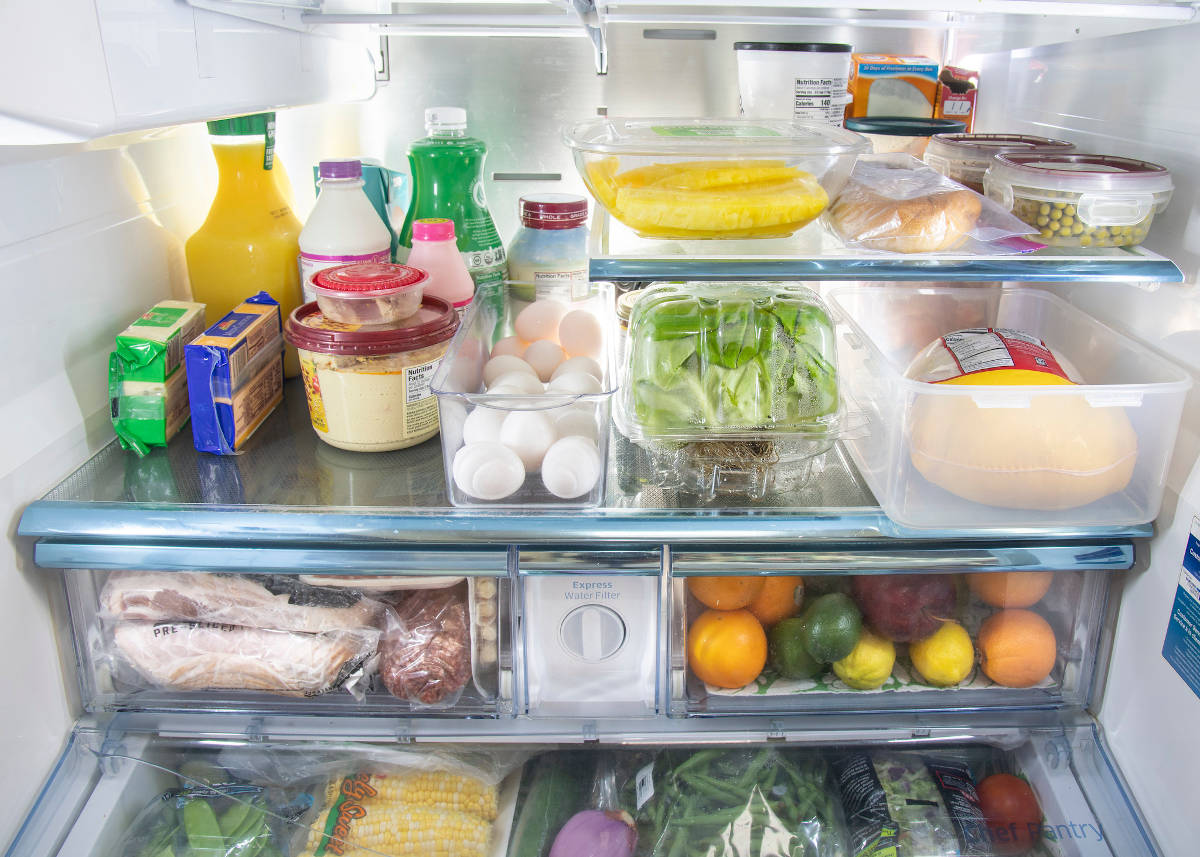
x,y
832,626
787,653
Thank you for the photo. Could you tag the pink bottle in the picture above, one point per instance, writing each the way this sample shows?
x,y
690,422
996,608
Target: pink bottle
x,y
435,250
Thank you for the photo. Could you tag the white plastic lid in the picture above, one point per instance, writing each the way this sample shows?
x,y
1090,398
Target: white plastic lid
x,y
1079,173
720,137
979,149
445,119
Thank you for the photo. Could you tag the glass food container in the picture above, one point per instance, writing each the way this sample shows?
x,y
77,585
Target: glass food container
x,y
713,178
1080,200
966,157
368,386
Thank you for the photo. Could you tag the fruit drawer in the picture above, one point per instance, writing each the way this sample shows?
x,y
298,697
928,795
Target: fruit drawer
x,y
779,643
292,643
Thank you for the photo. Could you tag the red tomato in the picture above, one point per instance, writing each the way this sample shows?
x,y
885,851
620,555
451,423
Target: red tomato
x,y
1013,816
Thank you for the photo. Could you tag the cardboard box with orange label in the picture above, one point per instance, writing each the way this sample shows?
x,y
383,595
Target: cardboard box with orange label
x,y
884,85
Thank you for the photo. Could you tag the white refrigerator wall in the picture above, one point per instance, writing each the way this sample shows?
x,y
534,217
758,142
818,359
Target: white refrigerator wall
x,y
1136,95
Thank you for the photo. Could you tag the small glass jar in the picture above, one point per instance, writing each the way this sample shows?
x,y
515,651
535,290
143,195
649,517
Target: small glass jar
x,y
548,257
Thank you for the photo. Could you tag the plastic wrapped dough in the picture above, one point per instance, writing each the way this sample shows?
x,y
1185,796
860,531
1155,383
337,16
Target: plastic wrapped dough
x,y
897,204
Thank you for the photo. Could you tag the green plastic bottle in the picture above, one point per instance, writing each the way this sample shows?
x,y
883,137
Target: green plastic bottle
x,y
447,181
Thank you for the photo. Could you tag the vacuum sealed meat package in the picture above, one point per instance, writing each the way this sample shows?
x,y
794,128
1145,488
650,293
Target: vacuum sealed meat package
x,y
897,204
425,653
277,602
206,656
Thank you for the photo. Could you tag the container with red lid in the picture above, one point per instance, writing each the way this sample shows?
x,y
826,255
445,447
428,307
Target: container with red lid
x,y
369,292
548,257
1080,200
966,157
368,386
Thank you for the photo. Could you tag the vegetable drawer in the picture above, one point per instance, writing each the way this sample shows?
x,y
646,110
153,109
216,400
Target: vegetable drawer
x,y
298,644
777,643
1006,408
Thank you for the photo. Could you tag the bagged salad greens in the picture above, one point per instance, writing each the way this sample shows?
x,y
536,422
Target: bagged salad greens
x,y
724,359
910,804
742,802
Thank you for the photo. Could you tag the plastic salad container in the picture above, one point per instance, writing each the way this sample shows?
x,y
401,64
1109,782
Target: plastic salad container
x,y
713,178
1072,425
369,292
1080,200
514,438
729,381
902,133
966,157
368,386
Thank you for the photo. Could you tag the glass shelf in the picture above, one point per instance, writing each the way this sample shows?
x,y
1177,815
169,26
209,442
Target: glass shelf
x,y
289,492
814,253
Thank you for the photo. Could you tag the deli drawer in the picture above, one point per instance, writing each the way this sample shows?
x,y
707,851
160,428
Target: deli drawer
x,y
436,644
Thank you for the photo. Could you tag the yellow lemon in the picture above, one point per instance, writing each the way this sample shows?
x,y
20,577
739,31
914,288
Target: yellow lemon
x,y
945,657
869,664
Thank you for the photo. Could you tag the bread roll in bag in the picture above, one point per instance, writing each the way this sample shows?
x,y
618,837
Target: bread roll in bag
x,y
1055,452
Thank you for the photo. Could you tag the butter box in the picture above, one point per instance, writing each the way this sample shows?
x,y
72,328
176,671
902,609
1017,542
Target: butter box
x,y
885,85
235,375
146,413
151,348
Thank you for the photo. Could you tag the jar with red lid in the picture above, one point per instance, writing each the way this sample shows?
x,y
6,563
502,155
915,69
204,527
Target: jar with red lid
x,y
368,386
548,257
369,292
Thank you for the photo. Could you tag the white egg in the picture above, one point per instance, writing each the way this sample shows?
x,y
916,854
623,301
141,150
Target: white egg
x,y
574,382
520,382
503,365
529,434
540,320
482,424
580,333
544,356
509,345
571,467
579,364
488,470
579,420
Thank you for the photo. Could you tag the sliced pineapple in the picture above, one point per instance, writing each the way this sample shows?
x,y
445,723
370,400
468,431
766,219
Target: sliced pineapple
x,y
748,209
704,174
600,178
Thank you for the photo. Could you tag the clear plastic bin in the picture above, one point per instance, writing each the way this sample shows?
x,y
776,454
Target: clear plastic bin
x,y
1080,200
483,474
951,455
713,178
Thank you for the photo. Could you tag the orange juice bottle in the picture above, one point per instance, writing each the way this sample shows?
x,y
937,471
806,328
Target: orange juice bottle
x,y
251,239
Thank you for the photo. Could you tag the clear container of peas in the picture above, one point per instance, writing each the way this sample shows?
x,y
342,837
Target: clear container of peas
x,y
1080,200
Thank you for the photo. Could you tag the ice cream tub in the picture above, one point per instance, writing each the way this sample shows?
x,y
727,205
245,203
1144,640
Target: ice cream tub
x,y
368,386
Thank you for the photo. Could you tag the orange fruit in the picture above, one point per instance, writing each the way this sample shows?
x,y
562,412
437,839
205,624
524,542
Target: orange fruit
x,y
727,648
1017,648
780,598
1010,588
725,593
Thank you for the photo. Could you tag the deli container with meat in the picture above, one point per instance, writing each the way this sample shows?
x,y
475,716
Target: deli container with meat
x,y
309,643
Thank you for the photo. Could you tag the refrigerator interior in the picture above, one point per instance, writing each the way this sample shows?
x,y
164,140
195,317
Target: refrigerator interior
x,y
92,233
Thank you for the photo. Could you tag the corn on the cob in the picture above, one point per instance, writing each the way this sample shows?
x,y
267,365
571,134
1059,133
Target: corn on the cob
x,y
438,790
400,831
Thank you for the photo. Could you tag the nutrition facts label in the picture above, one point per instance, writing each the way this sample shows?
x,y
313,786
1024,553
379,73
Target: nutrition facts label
x,y
416,381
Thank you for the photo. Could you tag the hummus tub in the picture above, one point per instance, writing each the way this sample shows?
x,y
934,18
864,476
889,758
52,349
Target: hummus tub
x,y
368,386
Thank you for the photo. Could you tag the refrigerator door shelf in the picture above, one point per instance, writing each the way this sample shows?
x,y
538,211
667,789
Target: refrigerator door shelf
x,y
107,778
1073,606
119,669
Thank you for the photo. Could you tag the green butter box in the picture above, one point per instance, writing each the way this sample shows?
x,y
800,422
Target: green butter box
x,y
151,348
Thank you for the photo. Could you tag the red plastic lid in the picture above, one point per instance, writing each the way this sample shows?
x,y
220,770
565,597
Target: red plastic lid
x,y
308,328
553,211
369,277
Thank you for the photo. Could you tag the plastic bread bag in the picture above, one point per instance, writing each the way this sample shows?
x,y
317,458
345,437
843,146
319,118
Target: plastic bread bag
x,y
425,652
895,203
910,804
274,602
743,802
200,656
